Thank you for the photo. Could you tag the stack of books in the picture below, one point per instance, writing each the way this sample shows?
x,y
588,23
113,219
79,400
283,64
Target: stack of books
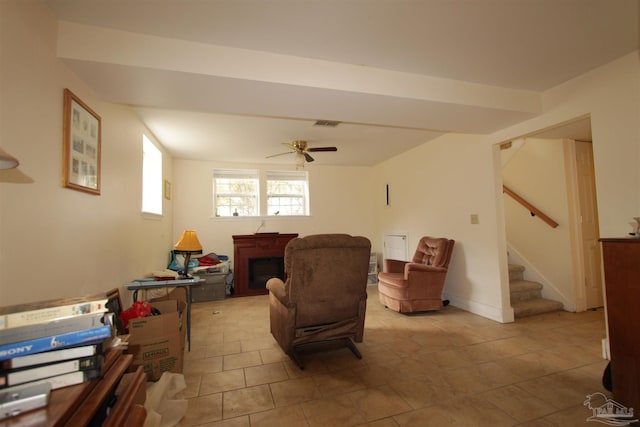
x,y
57,343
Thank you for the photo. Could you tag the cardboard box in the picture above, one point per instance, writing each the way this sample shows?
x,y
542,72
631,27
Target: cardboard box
x,y
157,342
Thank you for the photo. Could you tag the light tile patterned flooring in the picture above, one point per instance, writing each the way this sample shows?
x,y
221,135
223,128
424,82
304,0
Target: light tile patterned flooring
x,y
446,368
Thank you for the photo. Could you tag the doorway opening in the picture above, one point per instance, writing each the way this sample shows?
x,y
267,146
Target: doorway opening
x,y
553,169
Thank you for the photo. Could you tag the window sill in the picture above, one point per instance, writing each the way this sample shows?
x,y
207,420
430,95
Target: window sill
x,y
258,218
153,216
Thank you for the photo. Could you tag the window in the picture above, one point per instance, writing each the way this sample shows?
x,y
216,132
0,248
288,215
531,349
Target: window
x,y
151,177
287,193
235,192
238,192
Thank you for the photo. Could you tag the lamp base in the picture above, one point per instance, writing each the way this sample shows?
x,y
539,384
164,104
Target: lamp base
x,y
187,260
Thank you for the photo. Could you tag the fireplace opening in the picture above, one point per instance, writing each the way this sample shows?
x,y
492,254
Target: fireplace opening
x,y
263,269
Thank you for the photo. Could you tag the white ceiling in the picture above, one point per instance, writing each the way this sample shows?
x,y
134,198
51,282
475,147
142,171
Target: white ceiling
x,y
232,80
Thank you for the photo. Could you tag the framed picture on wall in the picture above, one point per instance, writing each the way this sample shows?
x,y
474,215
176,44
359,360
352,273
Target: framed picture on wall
x,y
167,190
82,130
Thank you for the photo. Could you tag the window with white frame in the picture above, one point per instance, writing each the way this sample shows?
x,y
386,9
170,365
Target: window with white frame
x,y
236,192
287,193
151,177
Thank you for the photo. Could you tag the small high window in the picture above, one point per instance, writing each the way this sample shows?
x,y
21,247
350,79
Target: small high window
x,y
151,177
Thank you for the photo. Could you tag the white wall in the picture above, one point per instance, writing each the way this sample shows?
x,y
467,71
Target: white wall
x,y
611,96
435,187
57,242
433,191
537,173
340,202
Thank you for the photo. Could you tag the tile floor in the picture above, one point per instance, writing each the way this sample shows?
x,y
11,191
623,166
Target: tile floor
x,y
447,368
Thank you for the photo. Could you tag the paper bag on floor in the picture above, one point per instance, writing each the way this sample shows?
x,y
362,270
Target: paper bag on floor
x,y
163,410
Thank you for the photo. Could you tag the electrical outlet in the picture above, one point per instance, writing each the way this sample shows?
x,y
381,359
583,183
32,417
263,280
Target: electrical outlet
x,y
474,219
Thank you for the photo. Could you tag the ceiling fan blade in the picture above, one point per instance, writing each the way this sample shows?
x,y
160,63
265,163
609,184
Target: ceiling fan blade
x,y
281,154
308,157
323,149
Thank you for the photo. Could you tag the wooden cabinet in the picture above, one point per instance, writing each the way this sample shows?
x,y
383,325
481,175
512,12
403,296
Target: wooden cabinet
x,y
252,254
87,403
621,259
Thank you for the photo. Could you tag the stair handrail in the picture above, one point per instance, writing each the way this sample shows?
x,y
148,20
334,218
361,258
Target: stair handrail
x,y
532,209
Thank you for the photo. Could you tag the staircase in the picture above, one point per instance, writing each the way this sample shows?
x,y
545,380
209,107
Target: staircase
x,y
526,296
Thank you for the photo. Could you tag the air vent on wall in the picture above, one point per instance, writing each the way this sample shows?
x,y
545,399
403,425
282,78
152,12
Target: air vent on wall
x,y
326,123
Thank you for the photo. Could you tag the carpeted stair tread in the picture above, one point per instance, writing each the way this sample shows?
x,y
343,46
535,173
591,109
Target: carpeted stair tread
x,y
523,290
524,285
516,272
526,295
535,306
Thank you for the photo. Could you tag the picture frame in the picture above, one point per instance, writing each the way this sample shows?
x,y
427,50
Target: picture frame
x,y
167,190
114,305
82,140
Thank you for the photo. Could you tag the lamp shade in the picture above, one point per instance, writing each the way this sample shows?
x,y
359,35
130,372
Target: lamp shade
x,y
188,242
7,161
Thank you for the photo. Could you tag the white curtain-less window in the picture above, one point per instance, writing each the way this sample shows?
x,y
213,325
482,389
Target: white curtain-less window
x,y
151,177
287,193
236,192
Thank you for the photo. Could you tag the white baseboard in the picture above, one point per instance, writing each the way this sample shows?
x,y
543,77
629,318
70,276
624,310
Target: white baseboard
x,y
605,349
498,314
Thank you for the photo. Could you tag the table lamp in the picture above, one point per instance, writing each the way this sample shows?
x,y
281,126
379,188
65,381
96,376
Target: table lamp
x,y
187,245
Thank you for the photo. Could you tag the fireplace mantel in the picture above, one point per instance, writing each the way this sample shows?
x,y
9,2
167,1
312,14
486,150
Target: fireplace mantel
x,y
255,246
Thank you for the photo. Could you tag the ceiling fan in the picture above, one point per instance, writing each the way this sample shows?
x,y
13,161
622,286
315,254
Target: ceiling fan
x,y
302,151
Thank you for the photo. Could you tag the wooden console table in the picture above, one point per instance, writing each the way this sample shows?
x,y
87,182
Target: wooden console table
x,y
85,403
255,246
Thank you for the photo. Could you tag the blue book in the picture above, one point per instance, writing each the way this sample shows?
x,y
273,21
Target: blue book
x,y
54,342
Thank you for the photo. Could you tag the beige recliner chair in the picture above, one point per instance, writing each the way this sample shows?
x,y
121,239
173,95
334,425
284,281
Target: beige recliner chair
x,y
417,285
324,296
